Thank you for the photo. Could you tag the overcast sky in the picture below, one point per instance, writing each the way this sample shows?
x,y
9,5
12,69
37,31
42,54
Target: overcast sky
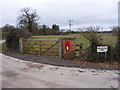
x,y
82,12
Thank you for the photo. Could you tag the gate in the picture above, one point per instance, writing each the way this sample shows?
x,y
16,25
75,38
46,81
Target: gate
x,y
40,46
64,48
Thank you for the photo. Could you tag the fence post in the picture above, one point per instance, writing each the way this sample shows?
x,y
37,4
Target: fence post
x,y
21,45
80,47
40,47
60,48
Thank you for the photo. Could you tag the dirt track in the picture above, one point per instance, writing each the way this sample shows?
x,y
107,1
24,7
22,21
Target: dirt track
x,y
24,74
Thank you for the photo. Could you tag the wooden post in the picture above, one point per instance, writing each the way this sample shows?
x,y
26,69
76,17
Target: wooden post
x,y
60,48
80,47
105,56
40,47
21,45
98,56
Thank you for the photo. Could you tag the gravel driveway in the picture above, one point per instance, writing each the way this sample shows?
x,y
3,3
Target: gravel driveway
x,y
25,74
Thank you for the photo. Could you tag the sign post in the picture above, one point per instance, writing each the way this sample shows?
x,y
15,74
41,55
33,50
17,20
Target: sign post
x,y
102,49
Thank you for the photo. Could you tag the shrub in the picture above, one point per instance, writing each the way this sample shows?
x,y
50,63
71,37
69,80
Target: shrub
x,y
90,34
116,50
12,38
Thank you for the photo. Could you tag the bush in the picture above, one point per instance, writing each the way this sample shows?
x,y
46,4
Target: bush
x,y
116,51
115,56
93,56
90,34
12,38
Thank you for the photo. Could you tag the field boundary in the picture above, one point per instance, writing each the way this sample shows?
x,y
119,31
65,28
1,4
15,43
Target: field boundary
x,y
40,46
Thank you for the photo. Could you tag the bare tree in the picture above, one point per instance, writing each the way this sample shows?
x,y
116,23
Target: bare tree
x,y
115,30
28,18
90,33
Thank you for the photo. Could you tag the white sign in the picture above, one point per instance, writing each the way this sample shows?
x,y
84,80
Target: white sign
x,y
102,48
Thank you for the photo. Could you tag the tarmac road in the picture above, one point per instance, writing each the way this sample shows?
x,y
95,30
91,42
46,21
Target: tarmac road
x,y
17,73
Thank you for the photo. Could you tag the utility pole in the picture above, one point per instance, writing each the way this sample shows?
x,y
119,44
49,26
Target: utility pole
x,y
70,24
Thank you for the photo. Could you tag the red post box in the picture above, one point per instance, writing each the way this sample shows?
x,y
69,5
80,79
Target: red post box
x,y
67,46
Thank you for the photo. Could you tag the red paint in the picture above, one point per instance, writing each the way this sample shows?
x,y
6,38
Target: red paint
x,y
67,46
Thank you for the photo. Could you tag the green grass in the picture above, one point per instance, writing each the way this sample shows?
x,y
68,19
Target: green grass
x,y
79,39
107,39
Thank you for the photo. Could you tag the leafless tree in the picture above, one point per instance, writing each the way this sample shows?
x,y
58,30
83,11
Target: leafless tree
x,y
90,33
28,18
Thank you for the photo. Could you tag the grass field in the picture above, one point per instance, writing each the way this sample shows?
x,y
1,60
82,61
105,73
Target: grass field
x,y
107,39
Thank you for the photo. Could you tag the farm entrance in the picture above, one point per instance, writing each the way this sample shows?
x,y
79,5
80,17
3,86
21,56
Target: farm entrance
x,y
40,47
64,48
